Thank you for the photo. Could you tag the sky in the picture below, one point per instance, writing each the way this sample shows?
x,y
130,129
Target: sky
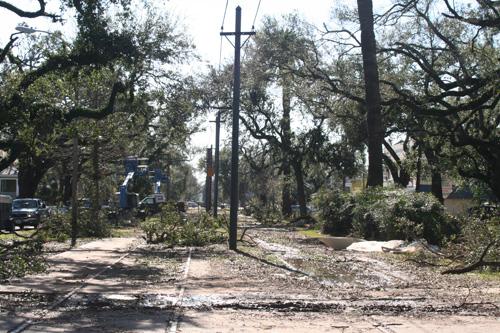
x,y
202,20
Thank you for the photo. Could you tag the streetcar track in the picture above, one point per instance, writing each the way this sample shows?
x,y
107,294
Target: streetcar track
x,y
269,246
177,304
39,315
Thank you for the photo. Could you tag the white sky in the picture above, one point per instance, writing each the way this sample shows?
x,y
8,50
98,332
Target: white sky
x,y
202,19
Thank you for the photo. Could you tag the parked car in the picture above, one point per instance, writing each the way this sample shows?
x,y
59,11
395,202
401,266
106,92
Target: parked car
x,y
28,211
148,206
296,209
192,204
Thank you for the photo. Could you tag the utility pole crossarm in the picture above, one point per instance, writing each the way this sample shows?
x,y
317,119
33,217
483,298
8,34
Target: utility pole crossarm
x,y
248,33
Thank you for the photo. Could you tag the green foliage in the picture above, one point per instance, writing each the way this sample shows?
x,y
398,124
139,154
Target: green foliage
x,y
164,227
396,214
204,229
335,211
88,227
383,214
57,227
20,260
172,228
479,230
266,214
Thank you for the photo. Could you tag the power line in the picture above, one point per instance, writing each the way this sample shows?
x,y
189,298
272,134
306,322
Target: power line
x,y
224,17
222,29
220,53
255,17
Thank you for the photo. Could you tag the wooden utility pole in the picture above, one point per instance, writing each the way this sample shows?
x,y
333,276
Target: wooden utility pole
x,y
216,169
233,214
216,162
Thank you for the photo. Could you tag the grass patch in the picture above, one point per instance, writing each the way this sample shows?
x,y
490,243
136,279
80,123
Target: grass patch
x,y
311,233
124,232
12,236
488,275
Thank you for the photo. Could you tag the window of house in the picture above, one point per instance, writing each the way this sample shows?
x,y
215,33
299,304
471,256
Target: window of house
x,y
8,185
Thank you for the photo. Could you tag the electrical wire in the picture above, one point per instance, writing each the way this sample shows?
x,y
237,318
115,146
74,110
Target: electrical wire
x,y
220,53
222,29
255,17
224,17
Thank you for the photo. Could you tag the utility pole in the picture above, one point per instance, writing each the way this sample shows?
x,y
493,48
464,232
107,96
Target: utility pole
x,y
216,168
233,213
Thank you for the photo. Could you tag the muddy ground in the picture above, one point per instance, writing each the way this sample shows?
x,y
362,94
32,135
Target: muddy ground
x,y
278,281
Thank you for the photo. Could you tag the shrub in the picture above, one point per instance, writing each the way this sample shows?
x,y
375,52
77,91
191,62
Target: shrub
x,y
335,211
163,228
479,230
172,228
266,214
57,227
89,227
397,214
202,230
17,261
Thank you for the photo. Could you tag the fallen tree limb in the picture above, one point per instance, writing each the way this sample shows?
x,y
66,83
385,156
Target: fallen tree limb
x,y
243,233
478,264
426,263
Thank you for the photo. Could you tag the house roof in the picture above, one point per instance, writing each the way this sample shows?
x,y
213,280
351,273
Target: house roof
x,y
10,171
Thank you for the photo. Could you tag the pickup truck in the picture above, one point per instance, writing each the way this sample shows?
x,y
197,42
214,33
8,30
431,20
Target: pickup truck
x,y
28,211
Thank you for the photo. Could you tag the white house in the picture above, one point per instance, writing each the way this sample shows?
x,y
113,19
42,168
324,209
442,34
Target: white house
x,y
9,184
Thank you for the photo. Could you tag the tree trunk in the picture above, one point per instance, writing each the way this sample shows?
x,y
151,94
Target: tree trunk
x,y
301,193
64,183
418,180
372,94
396,167
96,176
436,179
436,185
286,207
31,172
495,178
74,192
286,200
393,169
66,192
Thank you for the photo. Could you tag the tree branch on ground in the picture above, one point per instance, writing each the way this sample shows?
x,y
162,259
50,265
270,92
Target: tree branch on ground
x,y
478,264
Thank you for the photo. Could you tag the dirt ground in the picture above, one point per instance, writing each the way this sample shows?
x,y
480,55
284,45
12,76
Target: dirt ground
x,y
278,281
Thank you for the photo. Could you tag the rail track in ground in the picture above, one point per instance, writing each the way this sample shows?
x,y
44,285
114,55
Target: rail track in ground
x,y
274,282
